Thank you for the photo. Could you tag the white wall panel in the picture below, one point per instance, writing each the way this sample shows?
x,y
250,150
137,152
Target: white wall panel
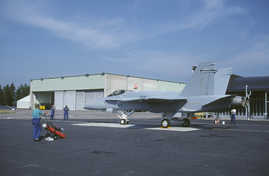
x,y
70,99
59,99
81,82
117,82
91,96
135,84
80,100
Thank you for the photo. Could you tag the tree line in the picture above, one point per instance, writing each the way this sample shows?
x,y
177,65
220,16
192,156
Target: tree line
x,y
9,94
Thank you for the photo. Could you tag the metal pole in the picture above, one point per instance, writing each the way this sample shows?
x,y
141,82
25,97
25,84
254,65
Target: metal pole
x,y
248,94
246,109
265,105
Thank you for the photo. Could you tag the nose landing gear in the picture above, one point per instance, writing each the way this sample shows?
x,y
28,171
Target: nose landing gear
x,y
165,123
124,121
124,117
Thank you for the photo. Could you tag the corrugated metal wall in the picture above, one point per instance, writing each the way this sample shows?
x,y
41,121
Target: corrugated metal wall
x,y
70,99
80,100
116,82
62,98
76,100
59,99
92,96
82,82
135,83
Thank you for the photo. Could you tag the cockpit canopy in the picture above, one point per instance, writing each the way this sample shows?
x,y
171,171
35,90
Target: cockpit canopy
x,y
117,92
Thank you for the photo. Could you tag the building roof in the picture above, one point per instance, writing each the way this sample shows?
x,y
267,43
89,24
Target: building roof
x,y
104,74
25,99
238,84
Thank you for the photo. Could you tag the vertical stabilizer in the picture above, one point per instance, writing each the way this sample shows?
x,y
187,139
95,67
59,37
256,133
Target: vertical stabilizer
x,y
202,81
222,78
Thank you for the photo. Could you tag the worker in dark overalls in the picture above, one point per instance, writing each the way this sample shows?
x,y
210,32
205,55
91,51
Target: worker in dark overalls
x,y
233,113
52,112
66,109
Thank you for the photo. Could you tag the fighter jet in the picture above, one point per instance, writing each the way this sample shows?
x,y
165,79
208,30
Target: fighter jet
x,y
206,92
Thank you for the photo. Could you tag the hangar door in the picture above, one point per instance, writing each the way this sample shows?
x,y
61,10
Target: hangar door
x,y
92,96
63,98
58,99
80,100
70,99
76,100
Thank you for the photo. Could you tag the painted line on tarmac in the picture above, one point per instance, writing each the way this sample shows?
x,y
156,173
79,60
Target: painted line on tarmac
x,y
31,165
249,131
180,129
7,118
110,125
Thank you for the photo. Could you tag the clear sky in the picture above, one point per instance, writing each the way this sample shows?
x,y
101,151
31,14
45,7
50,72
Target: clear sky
x,y
151,38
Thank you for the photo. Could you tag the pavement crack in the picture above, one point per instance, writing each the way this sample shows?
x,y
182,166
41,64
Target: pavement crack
x,y
30,165
100,152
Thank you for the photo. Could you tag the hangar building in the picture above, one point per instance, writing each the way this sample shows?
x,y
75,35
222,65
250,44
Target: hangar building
x,y
259,87
77,91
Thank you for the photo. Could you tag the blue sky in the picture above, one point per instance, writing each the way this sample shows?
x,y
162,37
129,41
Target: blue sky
x,y
150,38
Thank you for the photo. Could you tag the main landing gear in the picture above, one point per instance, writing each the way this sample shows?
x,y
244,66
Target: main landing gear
x,y
186,122
166,122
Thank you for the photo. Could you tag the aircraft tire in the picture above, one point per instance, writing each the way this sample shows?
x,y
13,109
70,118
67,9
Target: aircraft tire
x,y
123,122
165,123
186,122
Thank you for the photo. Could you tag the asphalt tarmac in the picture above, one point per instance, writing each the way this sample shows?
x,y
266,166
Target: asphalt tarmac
x,y
102,147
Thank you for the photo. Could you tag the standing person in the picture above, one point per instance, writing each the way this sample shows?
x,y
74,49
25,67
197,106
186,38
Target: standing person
x,y
52,112
233,113
66,109
36,113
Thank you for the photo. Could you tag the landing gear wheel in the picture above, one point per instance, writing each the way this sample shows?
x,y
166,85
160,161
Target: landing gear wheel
x,y
123,121
186,122
165,123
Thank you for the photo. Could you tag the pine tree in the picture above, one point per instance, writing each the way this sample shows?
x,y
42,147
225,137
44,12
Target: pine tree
x,y
5,94
12,98
22,91
1,96
19,93
26,90
9,95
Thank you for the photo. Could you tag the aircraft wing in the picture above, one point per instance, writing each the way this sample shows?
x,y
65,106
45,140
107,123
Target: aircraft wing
x,y
223,103
215,103
202,103
149,103
147,98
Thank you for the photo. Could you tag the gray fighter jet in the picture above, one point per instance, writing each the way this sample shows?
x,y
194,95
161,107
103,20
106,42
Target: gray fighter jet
x,y
206,92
